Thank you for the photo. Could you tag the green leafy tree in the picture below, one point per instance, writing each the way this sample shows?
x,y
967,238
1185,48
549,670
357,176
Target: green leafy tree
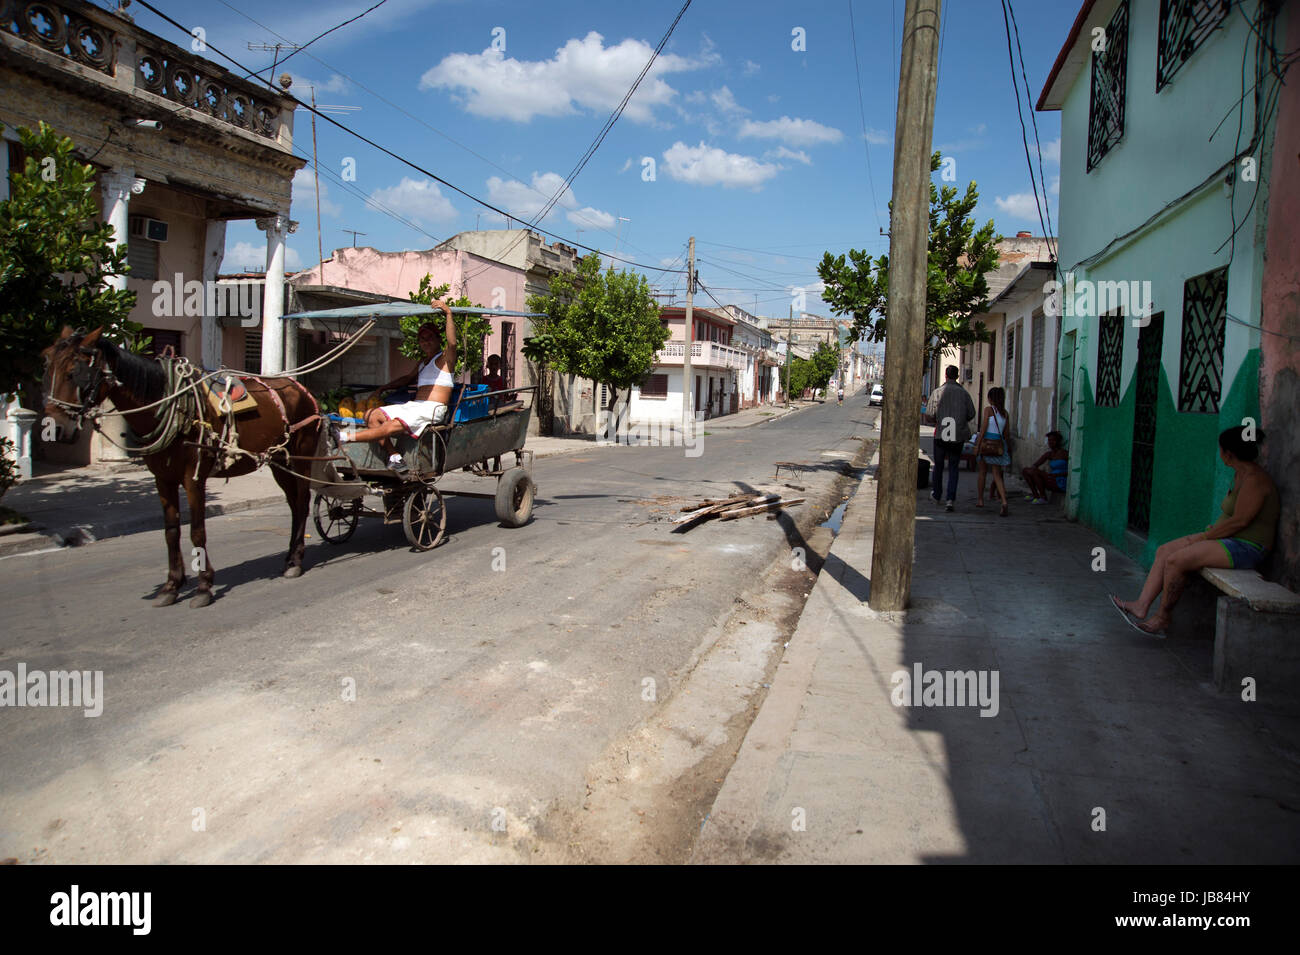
x,y
814,372
471,330
55,255
956,290
599,325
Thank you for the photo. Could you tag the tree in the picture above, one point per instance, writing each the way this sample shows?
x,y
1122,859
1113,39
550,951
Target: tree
x,y
956,290
470,329
54,258
814,372
599,325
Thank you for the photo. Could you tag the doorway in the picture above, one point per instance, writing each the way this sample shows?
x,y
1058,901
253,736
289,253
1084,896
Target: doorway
x,y
1147,385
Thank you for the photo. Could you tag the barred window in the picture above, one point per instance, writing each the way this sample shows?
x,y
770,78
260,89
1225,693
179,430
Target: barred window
x,y
253,351
1010,376
1110,355
1036,357
1184,26
1109,77
655,386
1205,320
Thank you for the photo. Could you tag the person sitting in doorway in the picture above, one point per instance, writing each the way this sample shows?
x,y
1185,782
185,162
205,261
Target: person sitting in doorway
x,y
433,378
494,379
1240,539
1042,483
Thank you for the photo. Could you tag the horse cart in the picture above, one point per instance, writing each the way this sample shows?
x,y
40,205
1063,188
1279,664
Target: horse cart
x,y
361,483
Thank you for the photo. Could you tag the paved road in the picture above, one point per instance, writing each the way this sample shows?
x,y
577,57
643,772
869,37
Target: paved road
x,y
482,696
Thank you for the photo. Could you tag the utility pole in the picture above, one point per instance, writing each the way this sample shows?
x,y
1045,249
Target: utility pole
x,y
315,175
789,346
895,542
688,411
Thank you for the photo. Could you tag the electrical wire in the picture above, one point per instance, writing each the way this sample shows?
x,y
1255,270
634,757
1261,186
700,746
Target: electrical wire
x,y
388,152
318,36
1049,235
1024,134
862,114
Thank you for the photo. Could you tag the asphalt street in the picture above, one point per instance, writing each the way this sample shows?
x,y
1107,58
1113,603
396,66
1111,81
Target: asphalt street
x,y
391,705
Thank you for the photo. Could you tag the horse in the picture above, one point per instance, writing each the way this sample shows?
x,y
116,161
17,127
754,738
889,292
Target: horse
x,y
84,370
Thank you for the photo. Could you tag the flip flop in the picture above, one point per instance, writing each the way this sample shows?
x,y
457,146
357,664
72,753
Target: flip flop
x,y
1128,619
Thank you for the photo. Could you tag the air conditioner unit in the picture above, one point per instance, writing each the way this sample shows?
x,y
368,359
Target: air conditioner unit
x,y
142,227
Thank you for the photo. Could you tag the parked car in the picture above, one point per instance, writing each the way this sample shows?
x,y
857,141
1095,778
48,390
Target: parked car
x,y
877,395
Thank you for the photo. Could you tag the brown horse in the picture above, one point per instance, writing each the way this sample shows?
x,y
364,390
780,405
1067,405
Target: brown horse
x,y
82,371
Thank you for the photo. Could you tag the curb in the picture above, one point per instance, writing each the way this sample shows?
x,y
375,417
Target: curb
x,y
75,535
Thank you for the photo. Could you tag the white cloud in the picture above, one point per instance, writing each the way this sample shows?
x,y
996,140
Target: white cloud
x,y
876,137
583,74
626,166
725,101
1021,205
301,84
247,257
751,67
709,166
418,200
792,132
590,218
781,152
1055,187
304,193
525,201
1052,150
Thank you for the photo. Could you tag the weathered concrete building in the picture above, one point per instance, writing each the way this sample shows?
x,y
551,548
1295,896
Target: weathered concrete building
x,y
181,147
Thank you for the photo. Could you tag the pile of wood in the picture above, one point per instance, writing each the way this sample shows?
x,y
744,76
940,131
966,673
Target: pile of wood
x,y
742,505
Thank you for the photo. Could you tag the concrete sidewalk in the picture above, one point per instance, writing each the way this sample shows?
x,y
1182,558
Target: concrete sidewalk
x,y
1108,746
75,506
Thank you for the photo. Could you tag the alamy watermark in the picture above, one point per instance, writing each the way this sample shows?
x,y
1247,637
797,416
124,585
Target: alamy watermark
x,y
1084,298
173,298
922,687
83,688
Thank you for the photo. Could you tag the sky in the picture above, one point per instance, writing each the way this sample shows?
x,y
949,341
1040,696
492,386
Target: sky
x,y
747,133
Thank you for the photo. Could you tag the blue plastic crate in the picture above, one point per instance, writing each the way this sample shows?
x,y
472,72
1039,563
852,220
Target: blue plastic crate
x,y
345,422
470,408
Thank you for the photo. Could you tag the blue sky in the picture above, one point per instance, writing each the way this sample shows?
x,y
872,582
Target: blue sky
x,y
757,148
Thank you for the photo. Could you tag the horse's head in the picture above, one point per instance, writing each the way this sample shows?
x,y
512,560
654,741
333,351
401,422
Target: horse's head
x,y
77,378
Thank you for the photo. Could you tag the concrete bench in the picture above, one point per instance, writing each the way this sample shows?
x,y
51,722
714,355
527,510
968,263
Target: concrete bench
x,y
1256,634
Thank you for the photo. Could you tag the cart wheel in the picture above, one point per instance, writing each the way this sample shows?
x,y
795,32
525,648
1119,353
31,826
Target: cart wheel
x,y
424,517
335,519
515,491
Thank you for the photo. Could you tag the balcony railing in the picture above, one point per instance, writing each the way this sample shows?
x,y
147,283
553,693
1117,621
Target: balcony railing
x,y
117,48
705,354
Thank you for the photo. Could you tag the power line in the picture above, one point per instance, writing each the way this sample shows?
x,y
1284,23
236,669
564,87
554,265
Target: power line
x,y
388,152
1042,178
604,131
1024,134
862,114
326,33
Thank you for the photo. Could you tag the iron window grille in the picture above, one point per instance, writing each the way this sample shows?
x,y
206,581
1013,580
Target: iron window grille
x,y
1106,99
1146,406
1110,355
1184,26
1205,321
1038,342
252,352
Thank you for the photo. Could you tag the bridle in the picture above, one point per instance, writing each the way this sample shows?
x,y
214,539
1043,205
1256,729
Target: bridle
x,y
88,376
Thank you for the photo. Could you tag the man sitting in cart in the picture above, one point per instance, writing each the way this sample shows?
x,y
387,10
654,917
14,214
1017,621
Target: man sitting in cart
x,y
433,378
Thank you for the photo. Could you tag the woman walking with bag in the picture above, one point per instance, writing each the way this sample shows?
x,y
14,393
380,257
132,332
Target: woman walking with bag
x,y
992,448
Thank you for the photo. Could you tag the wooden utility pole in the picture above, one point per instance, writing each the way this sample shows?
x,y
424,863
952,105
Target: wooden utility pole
x,y
789,345
688,391
909,228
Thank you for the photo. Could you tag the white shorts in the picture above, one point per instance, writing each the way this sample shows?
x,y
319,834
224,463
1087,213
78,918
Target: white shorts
x,y
417,415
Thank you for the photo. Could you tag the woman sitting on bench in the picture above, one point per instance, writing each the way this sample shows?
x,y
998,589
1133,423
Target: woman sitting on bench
x,y
1239,539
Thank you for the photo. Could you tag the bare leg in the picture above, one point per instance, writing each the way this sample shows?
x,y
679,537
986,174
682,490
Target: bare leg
x,y
979,490
998,483
380,428
169,494
1155,578
1034,478
1186,560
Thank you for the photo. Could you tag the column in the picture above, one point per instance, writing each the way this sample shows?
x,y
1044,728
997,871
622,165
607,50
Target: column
x,y
117,186
276,228
214,250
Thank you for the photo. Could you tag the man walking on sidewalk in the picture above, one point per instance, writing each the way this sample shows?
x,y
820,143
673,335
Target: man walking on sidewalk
x,y
950,410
